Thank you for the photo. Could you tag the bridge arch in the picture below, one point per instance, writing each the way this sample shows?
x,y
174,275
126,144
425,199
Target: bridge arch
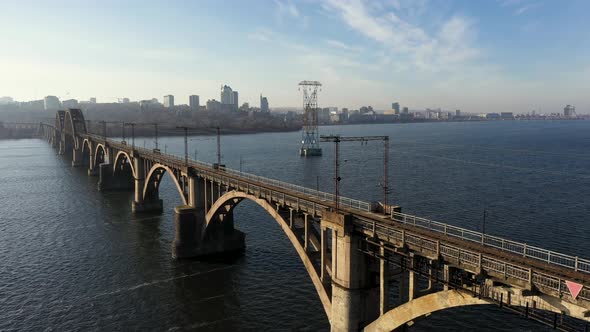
x,y
59,120
122,161
154,178
421,306
100,155
73,125
443,300
228,201
87,151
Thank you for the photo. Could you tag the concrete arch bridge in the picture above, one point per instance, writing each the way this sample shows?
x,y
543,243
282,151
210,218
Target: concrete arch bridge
x,y
352,254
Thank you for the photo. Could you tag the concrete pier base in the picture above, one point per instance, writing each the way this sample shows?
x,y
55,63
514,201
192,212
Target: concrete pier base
x,y
353,309
152,206
77,160
109,181
189,241
355,295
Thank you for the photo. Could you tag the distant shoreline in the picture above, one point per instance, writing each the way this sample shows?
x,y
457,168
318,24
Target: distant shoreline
x,y
9,132
452,120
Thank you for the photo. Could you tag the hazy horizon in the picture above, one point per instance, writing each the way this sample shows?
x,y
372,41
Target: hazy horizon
x,y
505,55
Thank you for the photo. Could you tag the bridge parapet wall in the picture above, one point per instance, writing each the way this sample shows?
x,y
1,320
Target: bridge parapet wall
x,y
475,262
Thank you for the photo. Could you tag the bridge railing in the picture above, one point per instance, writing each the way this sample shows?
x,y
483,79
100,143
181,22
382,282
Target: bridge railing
x,y
467,257
544,255
547,256
343,201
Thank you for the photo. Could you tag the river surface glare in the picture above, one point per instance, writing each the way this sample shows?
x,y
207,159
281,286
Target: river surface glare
x,y
73,258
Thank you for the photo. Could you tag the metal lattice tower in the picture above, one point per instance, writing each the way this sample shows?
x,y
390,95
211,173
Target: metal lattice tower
x,y
310,140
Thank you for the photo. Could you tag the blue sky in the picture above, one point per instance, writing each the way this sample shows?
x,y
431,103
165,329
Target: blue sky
x,y
478,56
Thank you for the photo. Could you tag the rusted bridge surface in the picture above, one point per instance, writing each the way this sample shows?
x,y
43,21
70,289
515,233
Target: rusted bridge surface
x,y
352,253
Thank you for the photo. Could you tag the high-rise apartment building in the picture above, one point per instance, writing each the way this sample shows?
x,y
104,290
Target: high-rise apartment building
x,y
227,95
264,104
395,107
193,102
229,98
51,103
169,101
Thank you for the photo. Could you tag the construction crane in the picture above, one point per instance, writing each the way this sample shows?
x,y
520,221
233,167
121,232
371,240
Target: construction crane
x,y
336,139
310,144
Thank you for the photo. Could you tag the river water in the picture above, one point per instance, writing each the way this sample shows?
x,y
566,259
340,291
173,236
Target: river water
x,y
73,258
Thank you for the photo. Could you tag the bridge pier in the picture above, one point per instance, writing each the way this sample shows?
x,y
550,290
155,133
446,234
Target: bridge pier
x,y
354,297
149,206
108,180
77,158
92,171
140,204
190,242
193,237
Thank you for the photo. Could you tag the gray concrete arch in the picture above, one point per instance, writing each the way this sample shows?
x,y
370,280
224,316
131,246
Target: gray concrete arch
x,y
153,179
120,159
231,199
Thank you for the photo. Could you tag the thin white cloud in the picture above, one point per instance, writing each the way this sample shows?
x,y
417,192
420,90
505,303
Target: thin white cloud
x,y
510,3
340,45
523,9
410,8
287,12
519,7
287,8
261,35
450,46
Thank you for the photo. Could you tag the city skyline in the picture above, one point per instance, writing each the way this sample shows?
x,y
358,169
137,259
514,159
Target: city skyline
x,y
450,54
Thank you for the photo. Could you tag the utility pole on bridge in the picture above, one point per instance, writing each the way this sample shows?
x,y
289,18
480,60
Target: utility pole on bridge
x,y
156,141
185,142
218,131
132,125
155,124
336,139
104,130
218,146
